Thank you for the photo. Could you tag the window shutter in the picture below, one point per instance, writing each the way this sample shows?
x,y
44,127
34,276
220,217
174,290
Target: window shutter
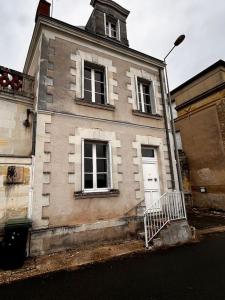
x,y
82,78
136,89
118,30
153,98
107,85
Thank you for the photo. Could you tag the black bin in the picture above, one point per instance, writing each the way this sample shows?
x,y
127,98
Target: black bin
x,y
14,243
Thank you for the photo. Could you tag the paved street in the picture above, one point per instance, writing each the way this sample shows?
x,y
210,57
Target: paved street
x,y
190,272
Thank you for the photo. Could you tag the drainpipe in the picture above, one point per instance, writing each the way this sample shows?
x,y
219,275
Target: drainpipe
x,y
167,127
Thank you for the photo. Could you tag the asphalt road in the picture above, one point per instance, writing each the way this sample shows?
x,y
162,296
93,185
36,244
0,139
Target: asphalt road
x,y
190,272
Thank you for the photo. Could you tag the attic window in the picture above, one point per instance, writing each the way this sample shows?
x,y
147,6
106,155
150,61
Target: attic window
x,y
112,27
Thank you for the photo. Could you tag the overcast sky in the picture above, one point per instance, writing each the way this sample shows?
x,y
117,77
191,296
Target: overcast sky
x,y
153,25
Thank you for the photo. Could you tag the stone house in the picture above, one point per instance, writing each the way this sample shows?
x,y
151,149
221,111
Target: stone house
x,y
101,148
200,123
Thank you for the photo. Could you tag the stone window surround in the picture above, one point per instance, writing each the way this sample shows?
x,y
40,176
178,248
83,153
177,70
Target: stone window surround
x,y
95,135
158,144
134,74
79,57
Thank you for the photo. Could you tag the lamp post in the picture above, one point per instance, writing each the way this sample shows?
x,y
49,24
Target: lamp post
x,y
178,41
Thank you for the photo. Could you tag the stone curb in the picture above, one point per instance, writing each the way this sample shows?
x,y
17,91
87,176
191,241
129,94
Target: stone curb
x,y
218,229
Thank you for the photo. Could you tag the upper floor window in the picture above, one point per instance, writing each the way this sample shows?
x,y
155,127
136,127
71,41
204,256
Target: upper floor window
x,y
94,84
146,99
112,27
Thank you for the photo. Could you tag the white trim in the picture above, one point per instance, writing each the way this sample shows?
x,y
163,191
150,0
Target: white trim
x,y
106,84
153,98
82,78
118,30
142,97
110,164
136,88
92,85
82,164
105,22
94,160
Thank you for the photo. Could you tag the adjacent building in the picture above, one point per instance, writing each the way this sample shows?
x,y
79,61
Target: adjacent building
x,y
200,105
16,149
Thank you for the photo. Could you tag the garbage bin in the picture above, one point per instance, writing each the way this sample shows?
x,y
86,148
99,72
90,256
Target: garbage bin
x,y
14,243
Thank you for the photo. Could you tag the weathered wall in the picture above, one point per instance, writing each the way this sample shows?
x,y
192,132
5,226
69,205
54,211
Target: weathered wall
x,y
58,169
15,151
14,197
202,130
201,85
15,138
63,121
59,136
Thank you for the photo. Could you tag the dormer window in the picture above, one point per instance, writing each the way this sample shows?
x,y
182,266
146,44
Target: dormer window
x,y
112,27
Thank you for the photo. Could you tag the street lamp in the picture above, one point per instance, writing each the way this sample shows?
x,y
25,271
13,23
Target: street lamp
x,y
178,41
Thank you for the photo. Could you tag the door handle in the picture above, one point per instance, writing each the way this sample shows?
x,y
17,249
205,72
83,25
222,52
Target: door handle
x,y
150,179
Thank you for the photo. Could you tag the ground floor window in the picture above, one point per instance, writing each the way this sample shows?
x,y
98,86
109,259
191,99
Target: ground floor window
x,y
96,165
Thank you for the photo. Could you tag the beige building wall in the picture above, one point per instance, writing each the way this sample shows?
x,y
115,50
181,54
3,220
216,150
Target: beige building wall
x,y
15,151
63,121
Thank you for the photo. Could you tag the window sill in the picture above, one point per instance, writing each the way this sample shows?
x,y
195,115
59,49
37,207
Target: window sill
x,y
85,195
146,115
90,104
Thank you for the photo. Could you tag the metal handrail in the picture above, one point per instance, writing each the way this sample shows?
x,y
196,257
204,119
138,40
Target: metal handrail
x,y
171,207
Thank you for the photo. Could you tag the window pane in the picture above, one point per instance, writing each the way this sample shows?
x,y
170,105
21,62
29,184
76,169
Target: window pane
x,y
147,152
88,165
87,73
148,109
102,181
87,84
101,165
88,181
87,149
146,88
100,98
99,87
113,27
147,99
99,76
113,33
101,150
139,87
87,96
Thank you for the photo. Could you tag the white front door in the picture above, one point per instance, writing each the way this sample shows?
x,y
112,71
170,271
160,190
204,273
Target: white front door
x,y
151,179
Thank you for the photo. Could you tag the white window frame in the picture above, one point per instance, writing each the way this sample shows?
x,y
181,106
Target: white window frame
x,y
109,34
152,96
93,82
94,159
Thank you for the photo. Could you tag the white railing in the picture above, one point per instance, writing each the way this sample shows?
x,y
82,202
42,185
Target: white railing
x,y
171,207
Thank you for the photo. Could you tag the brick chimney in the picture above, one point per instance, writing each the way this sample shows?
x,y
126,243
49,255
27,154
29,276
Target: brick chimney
x,y
43,9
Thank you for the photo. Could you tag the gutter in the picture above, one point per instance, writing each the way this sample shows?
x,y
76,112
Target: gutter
x,y
167,128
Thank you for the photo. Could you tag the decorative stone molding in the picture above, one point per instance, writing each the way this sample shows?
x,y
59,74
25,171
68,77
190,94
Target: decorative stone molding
x,y
132,87
110,70
41,176
99,135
